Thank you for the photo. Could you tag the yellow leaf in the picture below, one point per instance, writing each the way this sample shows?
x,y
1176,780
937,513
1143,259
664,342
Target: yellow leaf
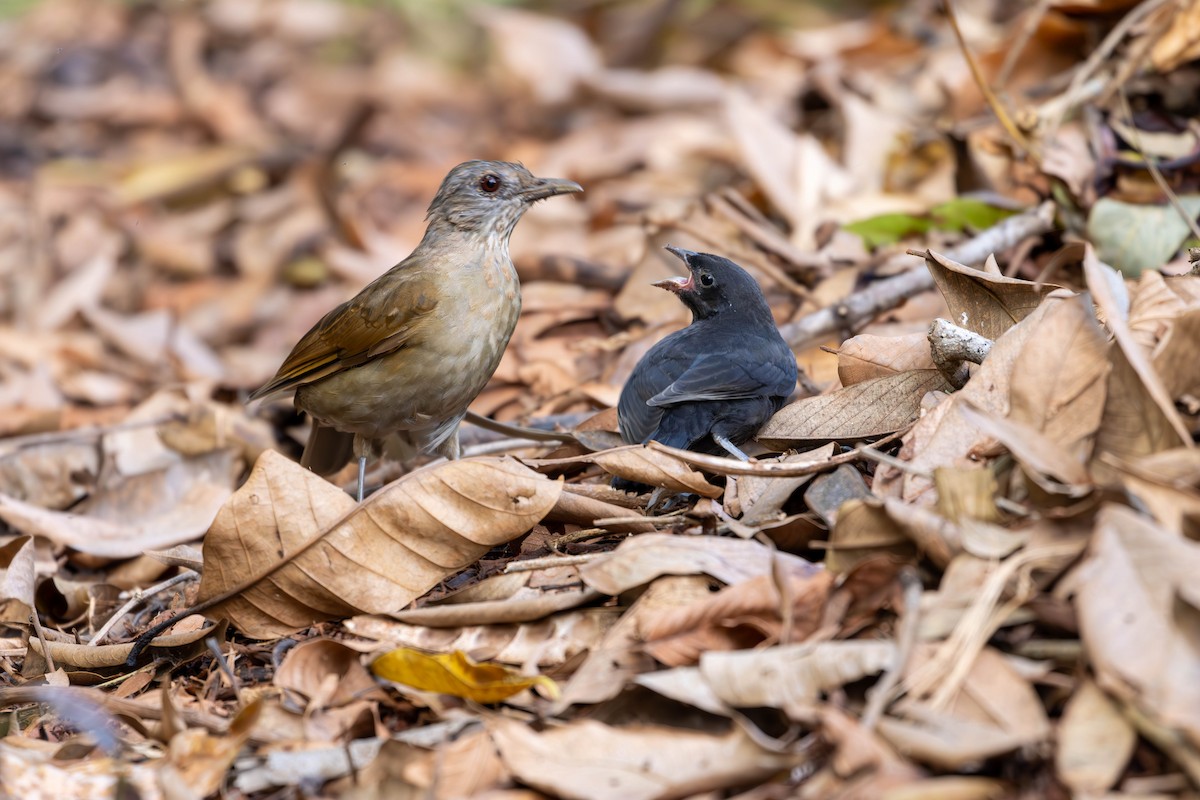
x,y
455,673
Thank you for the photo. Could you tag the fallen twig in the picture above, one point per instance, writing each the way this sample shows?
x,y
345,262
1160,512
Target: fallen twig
x,y
862,306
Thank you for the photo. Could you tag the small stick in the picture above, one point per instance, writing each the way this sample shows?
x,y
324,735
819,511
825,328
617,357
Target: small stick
x,y
862,306
551,561
37,627
139,596
778,469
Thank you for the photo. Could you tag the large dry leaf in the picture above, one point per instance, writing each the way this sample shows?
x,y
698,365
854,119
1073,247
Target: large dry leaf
x,y
866,356
643,465
150,511
340,559
792,677
546,643
981,302
1139,613
1059,380
942,437
619,657
873,407
994,711
1178,359
641,559
1147,400
18,577
1095,741
1166,483
1041,457
866,530
588,760
788,605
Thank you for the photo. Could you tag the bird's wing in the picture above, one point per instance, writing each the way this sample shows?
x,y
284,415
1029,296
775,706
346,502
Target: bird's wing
x,y
719,377
381,319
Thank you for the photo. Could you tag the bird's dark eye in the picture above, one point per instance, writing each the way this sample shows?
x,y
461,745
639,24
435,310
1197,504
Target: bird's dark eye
x,y
489,183
707,280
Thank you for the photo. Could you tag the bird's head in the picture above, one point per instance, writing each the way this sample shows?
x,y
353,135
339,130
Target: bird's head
x,y
489,197
715,285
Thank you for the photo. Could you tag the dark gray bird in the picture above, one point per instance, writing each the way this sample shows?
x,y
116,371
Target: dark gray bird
x,y
712,385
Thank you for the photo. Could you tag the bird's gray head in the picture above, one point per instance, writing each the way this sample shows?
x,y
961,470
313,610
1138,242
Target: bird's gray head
x,y
716,286
490,196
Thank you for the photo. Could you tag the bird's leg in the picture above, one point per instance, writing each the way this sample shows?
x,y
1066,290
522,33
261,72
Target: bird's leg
x,y
730,447
362,448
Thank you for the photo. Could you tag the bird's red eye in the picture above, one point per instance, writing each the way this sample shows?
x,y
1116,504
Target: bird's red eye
x,y
489,183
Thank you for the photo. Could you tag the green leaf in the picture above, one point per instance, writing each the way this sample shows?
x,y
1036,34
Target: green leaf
x,y
888,228
966,212
1134,238
954,215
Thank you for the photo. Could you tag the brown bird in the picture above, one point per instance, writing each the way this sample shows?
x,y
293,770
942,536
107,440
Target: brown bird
x,y
409,353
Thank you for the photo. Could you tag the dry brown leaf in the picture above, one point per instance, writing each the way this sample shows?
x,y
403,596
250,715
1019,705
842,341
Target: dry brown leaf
x,y
181,647
589,760
761,499
1137,603
641,559
18,577
995,710
54,475
30,770
866,530
792,677
150,511
580,509
549,57
867,356
1100,280
619,656
863,765
1177,359
1059,381
1181,41
873,407
986,304
335,691
1166,483
942,437
340,559
643,465
742,616
1041,457
1095,741
199,761
640,464
547,643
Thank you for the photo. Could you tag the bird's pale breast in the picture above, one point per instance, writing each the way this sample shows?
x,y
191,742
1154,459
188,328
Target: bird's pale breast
x,y
436,376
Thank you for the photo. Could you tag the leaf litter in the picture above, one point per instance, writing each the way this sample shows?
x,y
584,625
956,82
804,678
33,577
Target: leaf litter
x,y
959,563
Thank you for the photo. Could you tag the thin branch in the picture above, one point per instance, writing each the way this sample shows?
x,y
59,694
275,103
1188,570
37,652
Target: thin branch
x,y
863,306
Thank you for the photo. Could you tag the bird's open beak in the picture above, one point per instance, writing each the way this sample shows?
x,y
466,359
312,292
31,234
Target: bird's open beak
x,y
678,285
549,187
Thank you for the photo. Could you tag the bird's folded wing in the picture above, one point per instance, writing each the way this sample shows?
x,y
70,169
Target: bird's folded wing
x,y
718,377
381,319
